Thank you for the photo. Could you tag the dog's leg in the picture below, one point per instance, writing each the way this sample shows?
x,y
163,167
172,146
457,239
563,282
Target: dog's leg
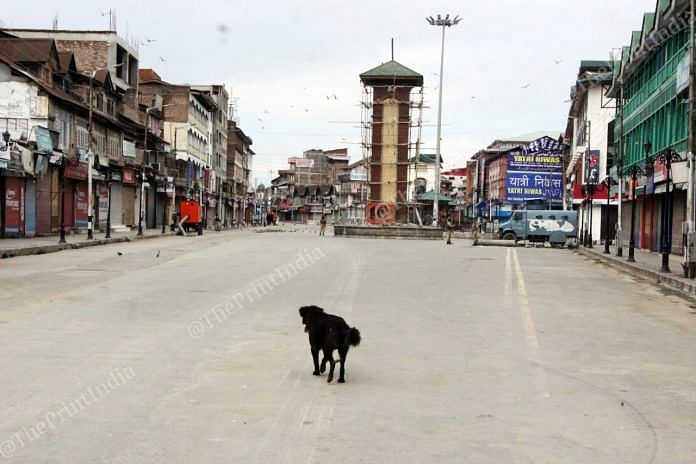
x,y
342,373
323,364
315,358
331,369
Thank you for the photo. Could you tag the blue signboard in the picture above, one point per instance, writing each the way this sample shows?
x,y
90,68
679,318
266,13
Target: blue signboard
x,y
540,161
522,186
43,139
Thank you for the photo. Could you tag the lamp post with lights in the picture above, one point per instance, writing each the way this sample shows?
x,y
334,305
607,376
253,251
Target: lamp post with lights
x,y
444,23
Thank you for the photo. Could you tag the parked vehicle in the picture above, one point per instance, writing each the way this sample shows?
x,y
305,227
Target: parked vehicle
x,y
191,215
538,226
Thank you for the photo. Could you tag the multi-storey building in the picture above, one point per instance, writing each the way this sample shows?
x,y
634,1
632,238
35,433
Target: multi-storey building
x,y
589,133
54,106
187,128
216,203
238,172
352,192
651,84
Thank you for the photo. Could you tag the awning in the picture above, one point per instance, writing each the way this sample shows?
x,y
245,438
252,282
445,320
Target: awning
x,y
430,196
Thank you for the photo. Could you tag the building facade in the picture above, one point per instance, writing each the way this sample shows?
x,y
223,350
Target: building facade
x,y
652,120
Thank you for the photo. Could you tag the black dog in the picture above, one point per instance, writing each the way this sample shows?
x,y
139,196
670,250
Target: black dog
x,y
328,333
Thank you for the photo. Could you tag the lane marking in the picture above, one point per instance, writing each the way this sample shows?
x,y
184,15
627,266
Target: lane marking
x,y
508,274
533,351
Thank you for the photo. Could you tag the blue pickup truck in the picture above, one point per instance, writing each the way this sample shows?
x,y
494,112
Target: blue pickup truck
x,y
539,226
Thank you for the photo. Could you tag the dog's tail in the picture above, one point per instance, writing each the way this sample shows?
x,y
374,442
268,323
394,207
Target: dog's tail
x,y
353,337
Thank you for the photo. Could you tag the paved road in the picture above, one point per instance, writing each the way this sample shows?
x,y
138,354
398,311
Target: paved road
x,y
469,354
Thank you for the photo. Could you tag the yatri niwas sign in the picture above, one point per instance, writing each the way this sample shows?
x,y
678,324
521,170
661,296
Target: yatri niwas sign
x,y
524,186
535,171
535,162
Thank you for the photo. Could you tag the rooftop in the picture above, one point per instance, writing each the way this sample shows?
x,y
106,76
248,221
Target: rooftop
x,y
392,70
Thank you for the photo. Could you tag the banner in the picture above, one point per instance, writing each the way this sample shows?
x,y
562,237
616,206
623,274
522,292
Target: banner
x,y
592,167
544,144
540,161
522,186
81,205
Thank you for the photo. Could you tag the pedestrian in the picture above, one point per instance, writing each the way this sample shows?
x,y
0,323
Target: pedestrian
x,y
474,231
450,226
434,222
322,223
217,223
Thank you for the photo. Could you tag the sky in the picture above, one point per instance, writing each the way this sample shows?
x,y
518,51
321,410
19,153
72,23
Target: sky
x,y
509,64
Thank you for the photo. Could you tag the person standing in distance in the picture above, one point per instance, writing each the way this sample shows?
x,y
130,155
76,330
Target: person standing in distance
x,y
450,226
322,224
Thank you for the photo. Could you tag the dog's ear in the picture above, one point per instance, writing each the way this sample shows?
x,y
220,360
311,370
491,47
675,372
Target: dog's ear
x,y
306,310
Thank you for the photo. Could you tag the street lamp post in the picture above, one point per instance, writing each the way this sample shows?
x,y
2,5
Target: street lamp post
x,y
634,171
108,208
608,182
164,205
62,200
90,202
444,23
582,220
666,158
591,189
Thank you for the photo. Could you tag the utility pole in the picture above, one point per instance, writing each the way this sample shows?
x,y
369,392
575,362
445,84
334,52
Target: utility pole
x,y
689,265
619,230
90,202
90,155
142,175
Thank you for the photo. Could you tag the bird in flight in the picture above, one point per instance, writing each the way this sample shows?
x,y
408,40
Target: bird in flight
x,y
162,59
266,111
557,61
150,40
526,86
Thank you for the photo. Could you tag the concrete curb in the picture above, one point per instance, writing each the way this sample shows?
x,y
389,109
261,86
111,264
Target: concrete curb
x,y
45,249
686,287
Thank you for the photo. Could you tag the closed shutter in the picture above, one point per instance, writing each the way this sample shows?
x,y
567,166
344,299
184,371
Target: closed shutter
x,y
30,210
43,205
128,205
116,204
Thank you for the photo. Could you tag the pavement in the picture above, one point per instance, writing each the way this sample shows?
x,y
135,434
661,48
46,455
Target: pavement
x,y
647,265
191,349
12,247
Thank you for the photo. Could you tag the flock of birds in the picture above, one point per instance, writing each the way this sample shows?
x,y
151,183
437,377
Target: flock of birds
x,y
223,29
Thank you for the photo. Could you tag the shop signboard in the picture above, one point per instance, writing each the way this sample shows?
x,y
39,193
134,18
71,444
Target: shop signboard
x,y
81,205
76,171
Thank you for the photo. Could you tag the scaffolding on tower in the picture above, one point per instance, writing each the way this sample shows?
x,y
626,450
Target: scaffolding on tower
x,y
415,126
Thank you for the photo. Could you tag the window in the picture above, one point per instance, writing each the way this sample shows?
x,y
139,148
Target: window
x,y
518,216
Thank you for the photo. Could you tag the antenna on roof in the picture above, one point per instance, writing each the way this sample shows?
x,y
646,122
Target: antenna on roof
x,y
392,48
55,22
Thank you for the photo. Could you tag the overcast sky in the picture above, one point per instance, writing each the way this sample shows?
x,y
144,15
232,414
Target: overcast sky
x,y
280,59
